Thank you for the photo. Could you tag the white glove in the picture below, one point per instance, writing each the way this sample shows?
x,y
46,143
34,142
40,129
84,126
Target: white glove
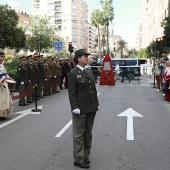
x,y
54,76
22,83
29,81
76,111
3,77
50,76
45,79
98,107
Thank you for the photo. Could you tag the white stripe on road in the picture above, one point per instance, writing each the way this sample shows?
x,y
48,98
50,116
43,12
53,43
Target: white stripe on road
x,y
64,129
25,113
67,126
13,120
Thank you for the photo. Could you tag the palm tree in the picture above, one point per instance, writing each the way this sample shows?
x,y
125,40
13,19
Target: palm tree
x,y
122,46
97,20
108,11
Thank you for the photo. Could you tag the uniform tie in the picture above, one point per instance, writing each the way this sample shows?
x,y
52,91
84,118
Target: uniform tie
x,y
85,71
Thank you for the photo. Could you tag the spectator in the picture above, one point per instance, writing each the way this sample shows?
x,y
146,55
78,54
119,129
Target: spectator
x,y
6,105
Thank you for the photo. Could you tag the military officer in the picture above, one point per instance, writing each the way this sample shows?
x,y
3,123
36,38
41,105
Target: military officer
x,y
54,75
84,104
62,77
47,88
23,79
31,74
67,69
40,65
37,75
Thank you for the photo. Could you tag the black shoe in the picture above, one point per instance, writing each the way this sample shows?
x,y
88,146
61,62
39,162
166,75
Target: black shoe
x,y
42,97
29,101
122,80
87,162
82,165
26,103
129,81
22,104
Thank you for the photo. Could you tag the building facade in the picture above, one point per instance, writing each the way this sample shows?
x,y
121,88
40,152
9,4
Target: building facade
x,y
92,37
154,13
69,17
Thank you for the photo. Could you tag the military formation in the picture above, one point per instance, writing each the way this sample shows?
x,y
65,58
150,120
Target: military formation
x,y
48,74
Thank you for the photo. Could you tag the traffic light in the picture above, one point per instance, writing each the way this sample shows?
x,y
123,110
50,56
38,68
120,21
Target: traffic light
x,y
70,47
158,42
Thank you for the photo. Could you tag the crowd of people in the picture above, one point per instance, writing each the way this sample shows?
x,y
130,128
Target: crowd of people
x,y
162,76
48,74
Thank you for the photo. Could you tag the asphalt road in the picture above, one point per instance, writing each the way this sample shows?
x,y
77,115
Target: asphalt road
x,y
30,143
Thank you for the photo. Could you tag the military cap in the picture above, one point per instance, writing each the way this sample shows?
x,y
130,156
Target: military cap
x,y
22,57
40,56
1,53
29,56
79,53
36,55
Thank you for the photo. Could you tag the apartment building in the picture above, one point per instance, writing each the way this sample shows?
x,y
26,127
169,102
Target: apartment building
x,y
139,37
113,45
92,36
154,12
69,17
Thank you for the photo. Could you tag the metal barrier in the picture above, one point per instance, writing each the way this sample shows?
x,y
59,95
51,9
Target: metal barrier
x,y
132,72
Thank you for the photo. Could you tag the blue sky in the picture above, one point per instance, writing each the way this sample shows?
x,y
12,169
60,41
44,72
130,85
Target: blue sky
x,y
127,15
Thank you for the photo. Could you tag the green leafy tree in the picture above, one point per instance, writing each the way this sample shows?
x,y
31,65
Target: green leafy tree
x,y
122,46
142,53
108,10
11,66
11,35
166,37
43,35
97,20
150,50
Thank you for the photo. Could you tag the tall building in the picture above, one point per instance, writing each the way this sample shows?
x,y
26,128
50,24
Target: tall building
x,y
139,37
154,13
92,36
69,17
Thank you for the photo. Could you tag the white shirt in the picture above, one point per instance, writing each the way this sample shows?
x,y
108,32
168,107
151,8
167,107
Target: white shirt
x,y
80,67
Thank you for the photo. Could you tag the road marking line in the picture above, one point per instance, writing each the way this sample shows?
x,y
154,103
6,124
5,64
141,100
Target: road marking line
x,y
64,129
67,126
13,120
134,85
25,113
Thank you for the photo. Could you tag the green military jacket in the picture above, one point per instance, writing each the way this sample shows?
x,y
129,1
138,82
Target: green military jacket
x,y
82,91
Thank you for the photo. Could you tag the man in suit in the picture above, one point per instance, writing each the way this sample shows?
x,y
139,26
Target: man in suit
x,y
84,104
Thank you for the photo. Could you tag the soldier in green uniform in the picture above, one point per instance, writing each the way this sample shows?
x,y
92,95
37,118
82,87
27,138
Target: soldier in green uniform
x,y
31,74
23,79
84,104
37,75
42,76
47,88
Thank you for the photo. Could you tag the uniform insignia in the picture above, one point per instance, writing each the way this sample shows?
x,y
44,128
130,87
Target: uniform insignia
x,y
78,76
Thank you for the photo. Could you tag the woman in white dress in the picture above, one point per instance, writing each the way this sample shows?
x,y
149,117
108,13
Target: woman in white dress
x,y
6,105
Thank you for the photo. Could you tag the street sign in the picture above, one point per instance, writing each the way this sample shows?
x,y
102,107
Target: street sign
x,y
58,45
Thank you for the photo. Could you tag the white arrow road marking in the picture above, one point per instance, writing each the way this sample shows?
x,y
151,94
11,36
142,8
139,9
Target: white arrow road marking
x,y
130,113
67,126
23,114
